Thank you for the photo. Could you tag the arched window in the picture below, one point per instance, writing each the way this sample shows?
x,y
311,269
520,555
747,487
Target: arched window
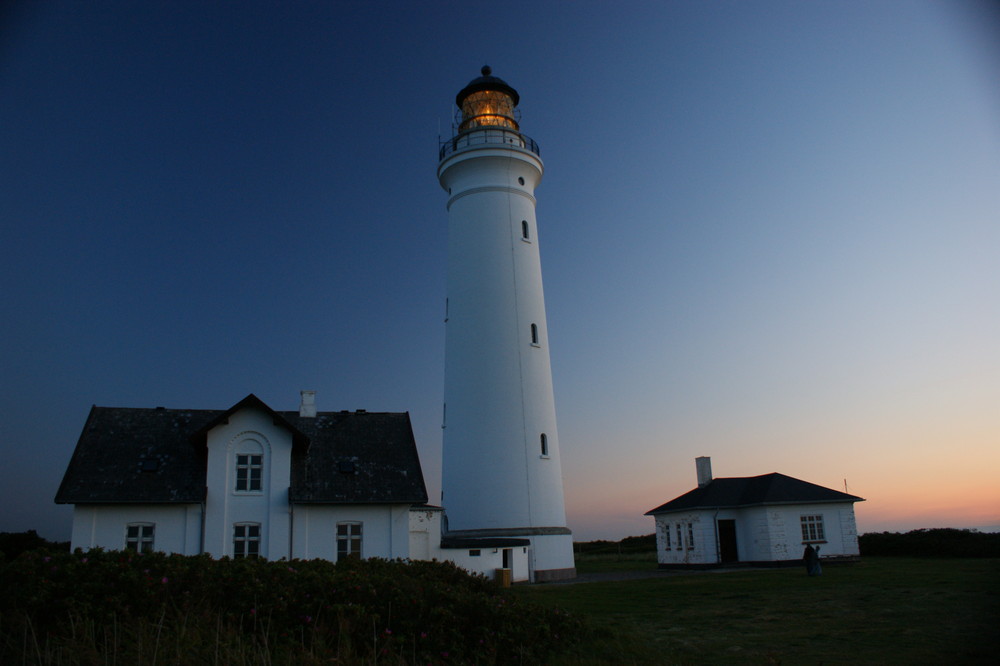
x,y
248,457
545,446
524,230
534,334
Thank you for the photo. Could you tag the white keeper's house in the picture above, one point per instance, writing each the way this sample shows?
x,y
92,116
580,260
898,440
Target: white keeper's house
x,y
766,519
250,481
245,481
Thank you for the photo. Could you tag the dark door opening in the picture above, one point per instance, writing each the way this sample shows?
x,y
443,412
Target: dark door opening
x,y
507,553
727,541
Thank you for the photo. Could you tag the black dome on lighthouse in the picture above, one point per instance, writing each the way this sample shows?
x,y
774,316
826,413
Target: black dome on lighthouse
x,y
486,82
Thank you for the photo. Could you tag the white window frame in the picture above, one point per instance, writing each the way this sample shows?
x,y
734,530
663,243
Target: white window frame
x,y
666,535
690,535
350,539
140,537
813,530
248,463
246,540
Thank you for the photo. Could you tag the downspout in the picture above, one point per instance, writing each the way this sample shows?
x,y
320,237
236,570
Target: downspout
x,y
201,538
291,523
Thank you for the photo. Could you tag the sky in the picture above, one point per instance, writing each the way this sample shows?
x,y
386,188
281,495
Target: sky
x,y
770,233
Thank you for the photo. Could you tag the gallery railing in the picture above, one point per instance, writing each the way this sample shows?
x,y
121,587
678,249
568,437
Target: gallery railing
x,y
487,135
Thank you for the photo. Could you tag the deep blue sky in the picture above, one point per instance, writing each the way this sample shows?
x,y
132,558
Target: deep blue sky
x,y
769,232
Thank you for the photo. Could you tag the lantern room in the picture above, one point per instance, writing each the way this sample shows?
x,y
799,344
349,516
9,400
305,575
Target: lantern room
x,y
487,102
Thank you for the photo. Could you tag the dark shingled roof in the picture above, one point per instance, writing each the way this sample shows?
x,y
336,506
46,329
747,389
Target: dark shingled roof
x,y
486,82
483,542
735,492
127,455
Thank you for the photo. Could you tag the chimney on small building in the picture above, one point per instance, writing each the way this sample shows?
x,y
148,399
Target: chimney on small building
x,y
703,465
307,408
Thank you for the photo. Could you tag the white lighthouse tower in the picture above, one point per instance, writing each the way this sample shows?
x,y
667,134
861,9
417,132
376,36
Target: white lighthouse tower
x,y
502,477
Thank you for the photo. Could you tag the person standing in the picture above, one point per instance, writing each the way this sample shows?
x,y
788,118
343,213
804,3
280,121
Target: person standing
x,y
810,558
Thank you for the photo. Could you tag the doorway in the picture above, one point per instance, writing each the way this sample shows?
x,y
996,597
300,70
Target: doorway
x,y
727,541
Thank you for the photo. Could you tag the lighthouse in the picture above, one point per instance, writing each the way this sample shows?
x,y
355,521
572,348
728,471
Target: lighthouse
x,y
501,474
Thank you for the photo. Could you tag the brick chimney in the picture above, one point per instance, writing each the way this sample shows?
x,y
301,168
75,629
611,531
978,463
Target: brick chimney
x,y
307,408
703,465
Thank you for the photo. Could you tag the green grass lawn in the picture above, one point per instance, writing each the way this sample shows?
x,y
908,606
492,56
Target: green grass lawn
x,y
878,611
607,563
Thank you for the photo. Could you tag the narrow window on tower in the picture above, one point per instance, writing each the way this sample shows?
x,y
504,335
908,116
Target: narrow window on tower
x,y
524,231
545,446
534,334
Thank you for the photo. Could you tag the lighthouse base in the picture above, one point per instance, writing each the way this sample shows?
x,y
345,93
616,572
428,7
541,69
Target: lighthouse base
x,y
550,575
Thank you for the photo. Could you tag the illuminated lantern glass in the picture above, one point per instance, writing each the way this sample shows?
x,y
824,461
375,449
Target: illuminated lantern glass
x,y
487,102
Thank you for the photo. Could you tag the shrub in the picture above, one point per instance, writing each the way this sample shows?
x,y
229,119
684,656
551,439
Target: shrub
x,y
13,544
394,611
628,545
943,542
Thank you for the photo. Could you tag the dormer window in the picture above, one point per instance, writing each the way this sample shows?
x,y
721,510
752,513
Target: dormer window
x,y
249,472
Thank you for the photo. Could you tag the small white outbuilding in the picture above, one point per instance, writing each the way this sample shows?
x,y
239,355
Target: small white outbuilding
x,y
767,519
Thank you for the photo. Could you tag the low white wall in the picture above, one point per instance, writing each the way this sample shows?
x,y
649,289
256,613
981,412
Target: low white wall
x,y
425,544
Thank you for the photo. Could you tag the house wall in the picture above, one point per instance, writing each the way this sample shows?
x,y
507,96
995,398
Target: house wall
x,y
425,533
697,544
839,527
177,527
249,430
763,534
384,532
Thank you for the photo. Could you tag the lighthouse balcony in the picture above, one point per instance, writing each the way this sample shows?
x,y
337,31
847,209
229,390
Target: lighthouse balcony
x,y
489,135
